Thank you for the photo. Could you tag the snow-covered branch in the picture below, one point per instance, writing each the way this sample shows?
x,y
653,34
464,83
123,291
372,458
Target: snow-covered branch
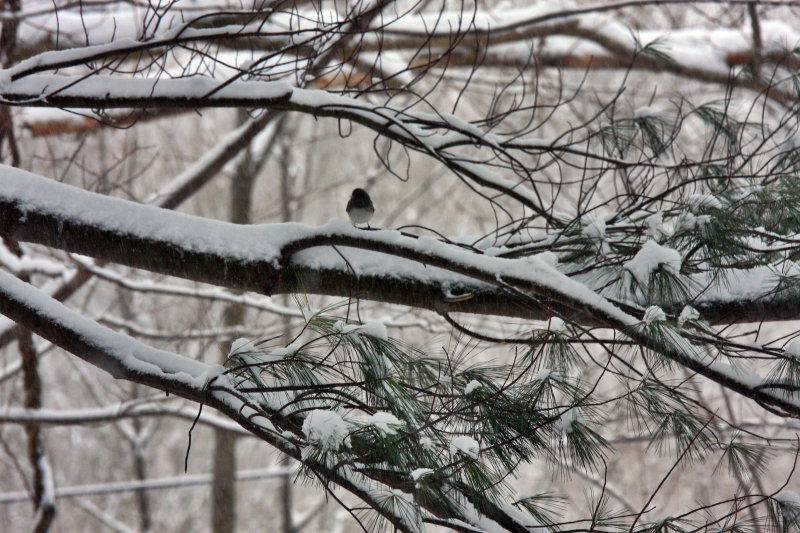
x,y
188,480
111,413
276,258
125,358
410,129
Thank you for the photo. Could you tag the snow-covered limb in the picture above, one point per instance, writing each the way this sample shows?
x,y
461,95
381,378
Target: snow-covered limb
x,y
209,165
94,415
188,480
213,293
278,258
272,37
555,33
125,358
241,257
130,360
173,194
26,265
560,36
586,30
409,129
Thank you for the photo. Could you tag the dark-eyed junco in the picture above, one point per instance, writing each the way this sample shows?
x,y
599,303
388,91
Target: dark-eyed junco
x,y
360,208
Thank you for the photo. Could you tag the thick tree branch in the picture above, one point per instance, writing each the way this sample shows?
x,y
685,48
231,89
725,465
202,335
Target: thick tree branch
x,y
124,358
279,258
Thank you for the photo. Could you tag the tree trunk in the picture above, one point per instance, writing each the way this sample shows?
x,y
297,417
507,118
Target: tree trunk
x,y
224,484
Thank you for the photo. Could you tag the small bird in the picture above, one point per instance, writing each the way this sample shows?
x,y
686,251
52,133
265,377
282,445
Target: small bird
x,y
360,208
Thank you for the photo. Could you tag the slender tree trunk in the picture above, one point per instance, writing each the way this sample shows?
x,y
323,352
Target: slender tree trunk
x,y
287,522
8,42
224,484
136,441
43,504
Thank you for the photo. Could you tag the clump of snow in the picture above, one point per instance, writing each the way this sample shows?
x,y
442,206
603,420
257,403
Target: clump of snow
x,y
595,229
385,422
686,221
700,201
688,314
375,328
702,220
344,328
465,445
426,443
789,503
793,349
419,473
543,374
286,351
325,429
654,314
655,227
649,258
471,387
788,497
241,344
568,419
556,324
548,258
644,112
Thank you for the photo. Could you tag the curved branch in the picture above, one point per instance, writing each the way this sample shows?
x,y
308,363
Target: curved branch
x,y
125,358
297,258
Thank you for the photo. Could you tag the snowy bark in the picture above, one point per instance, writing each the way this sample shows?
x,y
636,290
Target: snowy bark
x,y
286,258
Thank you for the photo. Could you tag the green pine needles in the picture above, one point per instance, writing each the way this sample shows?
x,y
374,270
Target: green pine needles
x,y
439,436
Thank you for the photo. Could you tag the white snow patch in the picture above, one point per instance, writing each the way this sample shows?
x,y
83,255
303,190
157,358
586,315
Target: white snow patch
x,y
281,353
644,112
595,229
654,314
465,445
793,349
737,373
556,324
548,258
567,420
326,429
419,473
242,344
471,387
650,257
688,313
699,201
385,422
426,443
375,328
686,221
655,226
344,328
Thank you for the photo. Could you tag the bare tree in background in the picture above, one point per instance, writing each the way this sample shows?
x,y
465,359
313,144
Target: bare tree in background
x,y
597,203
